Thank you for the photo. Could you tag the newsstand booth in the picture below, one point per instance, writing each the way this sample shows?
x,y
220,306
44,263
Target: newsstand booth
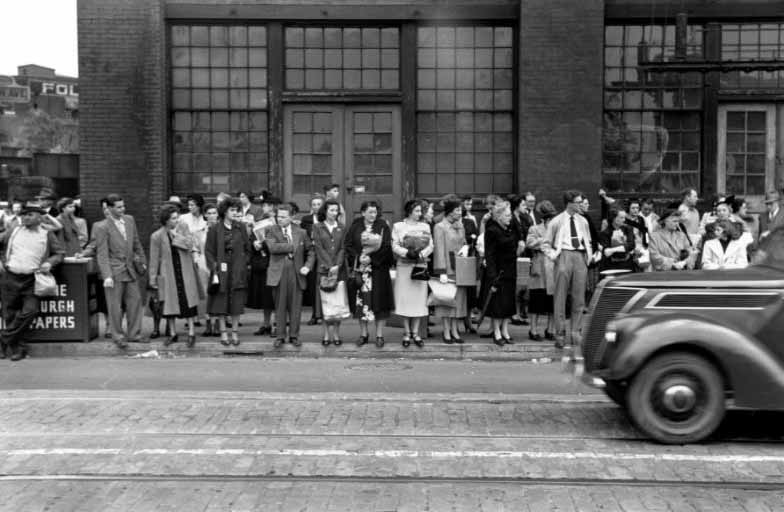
x,y
71,314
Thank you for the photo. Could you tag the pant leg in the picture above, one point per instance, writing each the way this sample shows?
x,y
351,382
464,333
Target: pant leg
x,y
11,303
562,280
132,299
114,297
22,309
295,306
579,280
279,294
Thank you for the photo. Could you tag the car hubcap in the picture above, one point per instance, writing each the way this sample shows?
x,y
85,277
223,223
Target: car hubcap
x,y
679,399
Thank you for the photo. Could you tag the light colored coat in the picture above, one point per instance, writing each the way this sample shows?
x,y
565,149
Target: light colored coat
x,y
115,254
162,272
447,239
542,267
715,257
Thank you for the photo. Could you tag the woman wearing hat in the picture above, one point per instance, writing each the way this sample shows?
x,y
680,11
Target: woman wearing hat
x,y
670,247
448,241
541,286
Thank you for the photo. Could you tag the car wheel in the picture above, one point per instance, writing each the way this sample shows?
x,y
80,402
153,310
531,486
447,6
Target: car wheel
x,y
616,392
677,398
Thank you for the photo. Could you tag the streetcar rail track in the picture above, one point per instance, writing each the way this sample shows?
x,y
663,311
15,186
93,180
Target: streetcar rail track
x,y
549,482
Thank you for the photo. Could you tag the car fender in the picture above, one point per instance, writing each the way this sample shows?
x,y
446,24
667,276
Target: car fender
x,y
755,375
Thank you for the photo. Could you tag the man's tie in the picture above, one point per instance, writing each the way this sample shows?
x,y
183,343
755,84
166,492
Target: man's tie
x,y
288,240
573,233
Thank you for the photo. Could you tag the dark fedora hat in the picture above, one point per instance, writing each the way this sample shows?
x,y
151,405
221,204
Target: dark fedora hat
x,y
32,207
46,193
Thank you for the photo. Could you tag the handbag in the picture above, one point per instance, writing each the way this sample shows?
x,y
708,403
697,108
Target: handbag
x,y
328,282
465,270
420,273
214,286
355,276
45,285
442,294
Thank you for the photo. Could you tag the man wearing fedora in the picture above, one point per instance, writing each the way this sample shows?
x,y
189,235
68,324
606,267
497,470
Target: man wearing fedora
x,y
774,216
121,261
27,249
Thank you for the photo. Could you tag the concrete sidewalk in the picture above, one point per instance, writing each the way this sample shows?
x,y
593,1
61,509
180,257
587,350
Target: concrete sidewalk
x,y
473,348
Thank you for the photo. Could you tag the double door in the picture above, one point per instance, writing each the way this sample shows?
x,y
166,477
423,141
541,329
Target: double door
x,y
357,147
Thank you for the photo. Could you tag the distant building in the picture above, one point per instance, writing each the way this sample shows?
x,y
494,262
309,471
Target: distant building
x,y
57,95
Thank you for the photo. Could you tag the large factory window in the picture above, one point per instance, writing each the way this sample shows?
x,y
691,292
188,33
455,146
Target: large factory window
x,y
652,121
219,102
465,107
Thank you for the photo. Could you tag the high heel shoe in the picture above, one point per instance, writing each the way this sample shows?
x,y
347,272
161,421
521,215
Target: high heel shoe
x,y
326,342
191,340
156,333
235,340
406,340
508,340
337,342
499,341
224,339
548,335
534,337
418,341
207,330
363,340
171,339
457,339
379,341
446,340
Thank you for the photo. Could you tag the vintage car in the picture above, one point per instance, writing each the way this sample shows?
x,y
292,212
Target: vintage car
x,y
676,348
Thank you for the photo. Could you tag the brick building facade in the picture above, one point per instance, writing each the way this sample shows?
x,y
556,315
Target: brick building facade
x,y
401,98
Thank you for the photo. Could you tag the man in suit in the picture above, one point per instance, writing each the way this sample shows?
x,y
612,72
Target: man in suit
x,y
291,260
121,261
570,237
774,216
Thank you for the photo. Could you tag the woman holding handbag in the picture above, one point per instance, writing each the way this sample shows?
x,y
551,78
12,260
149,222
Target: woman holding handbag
x,y
228,254
449,240
328,236
412,244
173,273
368,246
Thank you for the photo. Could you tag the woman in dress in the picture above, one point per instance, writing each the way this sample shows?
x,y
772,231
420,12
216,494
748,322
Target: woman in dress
x,y
728,249
173,274
259,294
448,240
412,243
502,247
211,218
617,242
69,234
368,247
197,225
541,286
228,252
327,235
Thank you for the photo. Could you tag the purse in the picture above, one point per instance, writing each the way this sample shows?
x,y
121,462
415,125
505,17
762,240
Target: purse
x,y
214,286
329,282
420,273
45,285
442,294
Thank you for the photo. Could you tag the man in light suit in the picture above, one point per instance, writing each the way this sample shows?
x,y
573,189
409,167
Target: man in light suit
x,y
774,216
121,261
570,237
291,260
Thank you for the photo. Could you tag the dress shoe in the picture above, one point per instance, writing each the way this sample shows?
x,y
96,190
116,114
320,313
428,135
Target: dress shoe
x,y
18,355
327,342
446,340
457,339
560,342
313,321
338,342
363,340
155,334
295,341
171,339
121,343
208,330
235,339
406,341
224,339
508,340
471,330
191,340
107,335
140,340
486,335
418,341
197,323
534,337
261,331
519,321
379,341
548,335
499,341
278,343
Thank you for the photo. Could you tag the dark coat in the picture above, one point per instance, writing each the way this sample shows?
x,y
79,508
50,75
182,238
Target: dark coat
x,y
307,223
330,250
501,252
521,225
617,261
383,299
215,253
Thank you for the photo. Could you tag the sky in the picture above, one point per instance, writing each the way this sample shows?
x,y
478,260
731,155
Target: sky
x,y
39,32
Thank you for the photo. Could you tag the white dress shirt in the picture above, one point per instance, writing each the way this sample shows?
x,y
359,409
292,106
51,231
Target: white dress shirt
x,y
26,250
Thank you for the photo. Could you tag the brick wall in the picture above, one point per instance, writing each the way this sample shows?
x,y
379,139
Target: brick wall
x,y
560,93
122,105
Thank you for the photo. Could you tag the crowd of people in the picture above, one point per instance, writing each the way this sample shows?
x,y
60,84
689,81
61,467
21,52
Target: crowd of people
x,y
522,262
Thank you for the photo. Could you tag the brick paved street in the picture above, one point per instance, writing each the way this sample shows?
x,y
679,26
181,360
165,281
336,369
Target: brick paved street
x,y
87,443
